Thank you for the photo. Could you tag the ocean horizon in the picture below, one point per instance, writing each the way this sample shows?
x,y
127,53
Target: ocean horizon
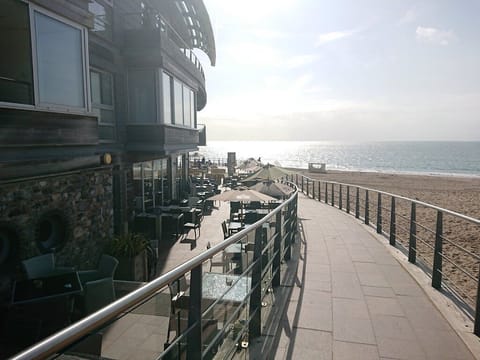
x,y
459,158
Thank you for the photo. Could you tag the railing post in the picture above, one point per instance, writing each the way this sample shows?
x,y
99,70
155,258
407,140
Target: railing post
x,y
326,193
333,194
438,253
302,186
393,225
313,189
308,187
412,242
379,214
319,191
194,343
476,327
255,310
357,204
340,202
367,220
277,249
348,199
296,179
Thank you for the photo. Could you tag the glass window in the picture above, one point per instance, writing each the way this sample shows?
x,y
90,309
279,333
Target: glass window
x,y
16,79
59,58
192,108
186,105
178,102
167,104
101,84
142,96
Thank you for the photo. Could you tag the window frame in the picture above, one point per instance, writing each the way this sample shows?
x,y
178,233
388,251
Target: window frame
x,y
42,106
104,106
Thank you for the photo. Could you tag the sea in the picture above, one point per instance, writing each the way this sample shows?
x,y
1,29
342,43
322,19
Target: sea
x,y
412,157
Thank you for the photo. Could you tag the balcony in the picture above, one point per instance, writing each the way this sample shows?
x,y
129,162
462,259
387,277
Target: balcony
x,y
161,138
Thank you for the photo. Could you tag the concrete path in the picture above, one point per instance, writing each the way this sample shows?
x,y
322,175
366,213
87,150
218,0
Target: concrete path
x,y
353,300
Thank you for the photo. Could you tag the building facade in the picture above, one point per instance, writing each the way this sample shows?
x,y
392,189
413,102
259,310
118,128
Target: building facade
x,y
98,104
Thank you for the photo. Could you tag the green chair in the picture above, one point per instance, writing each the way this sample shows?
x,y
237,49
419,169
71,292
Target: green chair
x,y
43,266
105,269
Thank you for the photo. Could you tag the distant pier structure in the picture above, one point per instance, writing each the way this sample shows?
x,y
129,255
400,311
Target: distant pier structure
x,y
317,168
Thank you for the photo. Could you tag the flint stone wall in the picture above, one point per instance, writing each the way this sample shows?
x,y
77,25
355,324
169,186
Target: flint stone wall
x,y
85,200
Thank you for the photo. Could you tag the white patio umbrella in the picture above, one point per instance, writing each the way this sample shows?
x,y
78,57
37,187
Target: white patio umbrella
x,y
242,194
275,189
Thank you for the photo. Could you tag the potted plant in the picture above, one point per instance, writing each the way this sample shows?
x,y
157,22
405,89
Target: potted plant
x,y
131,250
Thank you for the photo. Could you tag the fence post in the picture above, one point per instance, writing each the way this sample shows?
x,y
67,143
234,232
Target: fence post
x,y
348,199
296,179
340,197
313,189
319,191
302,185
194,343
476,327
379,214
326,193
367,219
412,242
308,192
333,194
438,253
357,204
393,225
277,249
255,310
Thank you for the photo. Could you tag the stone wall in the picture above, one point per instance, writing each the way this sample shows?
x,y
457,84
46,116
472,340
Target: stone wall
x,y
85,201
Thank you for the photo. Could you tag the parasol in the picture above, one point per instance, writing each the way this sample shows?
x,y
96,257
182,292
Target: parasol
x,y
242,194
268,172
275,189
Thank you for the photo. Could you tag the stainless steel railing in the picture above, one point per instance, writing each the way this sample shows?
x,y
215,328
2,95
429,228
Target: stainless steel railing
x,y
439,240
269,242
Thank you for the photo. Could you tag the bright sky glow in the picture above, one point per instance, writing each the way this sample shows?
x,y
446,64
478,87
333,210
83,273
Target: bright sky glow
x,y
344,70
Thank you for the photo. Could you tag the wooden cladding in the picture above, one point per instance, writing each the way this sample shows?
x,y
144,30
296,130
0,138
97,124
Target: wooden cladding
x,y
160,137
20,128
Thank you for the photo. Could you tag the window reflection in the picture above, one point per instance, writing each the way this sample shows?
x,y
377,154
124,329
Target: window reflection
x,y
59,62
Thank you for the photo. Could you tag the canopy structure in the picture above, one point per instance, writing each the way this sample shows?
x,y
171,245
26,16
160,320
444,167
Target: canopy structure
x,y
267,173
242,194
275,189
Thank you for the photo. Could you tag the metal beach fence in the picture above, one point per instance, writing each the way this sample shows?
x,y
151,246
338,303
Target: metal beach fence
x,y
211,313
428,234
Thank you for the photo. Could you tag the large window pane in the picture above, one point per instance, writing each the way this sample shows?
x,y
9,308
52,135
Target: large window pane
x,y
16,80
167,105
186,106
142,96
178,102
60,62
192,108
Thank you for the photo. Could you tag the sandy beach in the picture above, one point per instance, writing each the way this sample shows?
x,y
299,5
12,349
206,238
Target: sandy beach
x,y
456,193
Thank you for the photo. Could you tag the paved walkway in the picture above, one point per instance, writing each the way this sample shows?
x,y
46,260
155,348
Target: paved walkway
x,y
353,300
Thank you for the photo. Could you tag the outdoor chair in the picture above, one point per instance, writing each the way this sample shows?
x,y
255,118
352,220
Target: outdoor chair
x,y
42,266
225,230
194,225
105,269
178,323
98,289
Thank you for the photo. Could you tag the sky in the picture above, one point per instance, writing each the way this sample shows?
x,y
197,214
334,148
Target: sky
x,y
343,70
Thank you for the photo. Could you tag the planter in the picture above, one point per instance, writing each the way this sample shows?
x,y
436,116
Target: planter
x,y
132,269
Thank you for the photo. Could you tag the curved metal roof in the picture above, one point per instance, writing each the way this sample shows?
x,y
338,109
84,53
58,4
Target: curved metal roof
x,y
192,23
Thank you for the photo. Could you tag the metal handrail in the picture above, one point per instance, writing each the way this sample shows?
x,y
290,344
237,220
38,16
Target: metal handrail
x,y
84,327
376,219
